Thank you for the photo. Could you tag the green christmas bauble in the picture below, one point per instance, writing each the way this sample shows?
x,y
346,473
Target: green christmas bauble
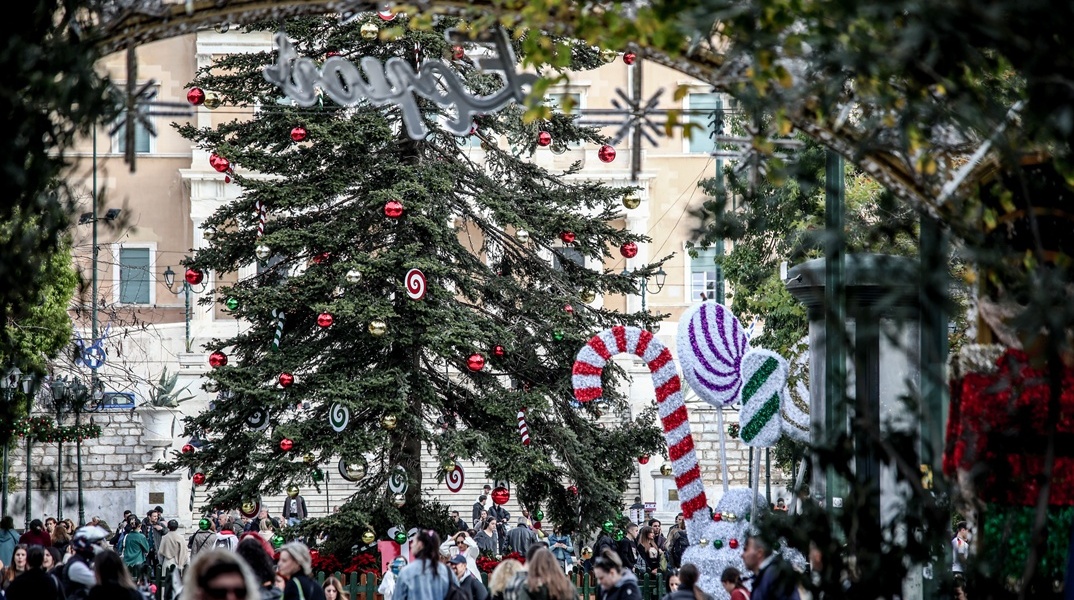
x,y
400,538
717,544
619,516
231,303
204,524
557,336
608,526
618,535
317,475
539,515
277,541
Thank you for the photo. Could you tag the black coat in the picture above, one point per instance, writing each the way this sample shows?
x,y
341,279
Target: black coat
x,y
113,591
34,584
626,590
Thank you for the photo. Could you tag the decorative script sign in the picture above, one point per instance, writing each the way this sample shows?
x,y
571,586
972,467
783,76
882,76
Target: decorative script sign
x,y
396,82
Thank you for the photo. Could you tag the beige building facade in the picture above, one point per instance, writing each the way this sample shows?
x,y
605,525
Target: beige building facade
x,y
173,190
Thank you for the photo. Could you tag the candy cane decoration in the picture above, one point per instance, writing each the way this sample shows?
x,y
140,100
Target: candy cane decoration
x,y
259,206
588,366
523,429
280,317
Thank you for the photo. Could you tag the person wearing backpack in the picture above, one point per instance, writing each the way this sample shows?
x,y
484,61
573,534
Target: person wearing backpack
x,y
226,539
425,578
203,539
135,550
77,575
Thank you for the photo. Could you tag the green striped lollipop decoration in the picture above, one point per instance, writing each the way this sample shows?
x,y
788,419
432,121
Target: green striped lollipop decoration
x,y
280,317
765,375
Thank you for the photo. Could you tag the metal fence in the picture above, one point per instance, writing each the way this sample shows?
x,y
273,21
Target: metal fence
x,y
363,586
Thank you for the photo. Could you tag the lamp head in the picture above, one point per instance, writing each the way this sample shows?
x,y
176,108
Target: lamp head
x,y
169,277
112,214
59,388
661,278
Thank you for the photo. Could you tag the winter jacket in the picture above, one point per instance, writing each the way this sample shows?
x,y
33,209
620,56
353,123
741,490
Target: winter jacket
x,y
626,589
310,589
422,581
8,540
520,539
34,584
135,548
114,591
682,594
36,538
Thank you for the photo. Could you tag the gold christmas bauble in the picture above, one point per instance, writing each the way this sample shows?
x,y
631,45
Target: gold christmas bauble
x,y
292,490
370,31
354,276
398,500
388,422
587,296
308,458
369,537
609,55
665,469
249,506
354,471
703,542
448,465
378,328
522,236
631,202
213,101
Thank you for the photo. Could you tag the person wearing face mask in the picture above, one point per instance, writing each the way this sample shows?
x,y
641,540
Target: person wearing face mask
x,y
616,581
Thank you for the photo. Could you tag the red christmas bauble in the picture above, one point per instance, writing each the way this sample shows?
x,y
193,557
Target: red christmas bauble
x,y
629,250
573,490
219,163
544,138
217,359
567,237
643,459
227,179
606,153
286,444
500,496
187,448
499,351
393,209
321,258
325,319
733,543
199,478
298,134
717,516
331,53
536,524
458,53
629,58
475,362
286,379
568,309
194,276
195,96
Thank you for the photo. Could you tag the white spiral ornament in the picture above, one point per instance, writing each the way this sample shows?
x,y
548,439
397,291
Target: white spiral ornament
x,y
455,479
415,284
711,343
794,406
523,429
398,483
258,419
338,417
588,366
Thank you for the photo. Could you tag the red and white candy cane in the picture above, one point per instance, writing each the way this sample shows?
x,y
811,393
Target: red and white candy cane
x,y
523,429
588,366
259,206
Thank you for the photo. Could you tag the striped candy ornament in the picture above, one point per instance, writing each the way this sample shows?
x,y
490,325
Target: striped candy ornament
x,y
765,373
711,344
588,366
259,206
280,317
794,405
523,429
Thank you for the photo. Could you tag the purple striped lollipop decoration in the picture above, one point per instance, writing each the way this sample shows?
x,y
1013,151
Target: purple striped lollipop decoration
x,y
711,344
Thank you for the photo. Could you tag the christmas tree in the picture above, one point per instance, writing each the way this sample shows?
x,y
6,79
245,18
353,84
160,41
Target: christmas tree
x,y
339,207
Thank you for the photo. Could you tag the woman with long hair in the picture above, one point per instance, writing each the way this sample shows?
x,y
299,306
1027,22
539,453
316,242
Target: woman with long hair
x,y
616,581
425,578
649,551
546,580
260,562
296,565
113,580
501,577
218,574
17,566
732,582
333,590
61,539
266,530
688,587
9,538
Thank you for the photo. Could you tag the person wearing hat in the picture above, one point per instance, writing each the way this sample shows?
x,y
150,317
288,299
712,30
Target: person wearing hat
x,y
472,585
36,535
173,550
521,536
296,566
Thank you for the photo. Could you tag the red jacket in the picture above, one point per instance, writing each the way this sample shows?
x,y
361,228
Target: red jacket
x,y
36,538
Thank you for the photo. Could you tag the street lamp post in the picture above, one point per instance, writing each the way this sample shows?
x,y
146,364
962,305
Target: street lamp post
x,y
59,390
69,396
660,278
169,281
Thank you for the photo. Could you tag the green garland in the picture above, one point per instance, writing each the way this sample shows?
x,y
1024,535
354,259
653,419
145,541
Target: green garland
x,y
45,430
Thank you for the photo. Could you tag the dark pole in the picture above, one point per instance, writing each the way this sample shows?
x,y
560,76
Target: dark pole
x,y
93,325
835,315
78,458
3,507
59,465
768,474
29,473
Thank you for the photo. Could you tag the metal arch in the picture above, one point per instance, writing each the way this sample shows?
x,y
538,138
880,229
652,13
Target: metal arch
x,y
119,24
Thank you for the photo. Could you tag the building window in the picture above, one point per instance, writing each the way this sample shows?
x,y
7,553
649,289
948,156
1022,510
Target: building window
x,y
699,108
142,138
135,268
706,277
562,100
564,253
